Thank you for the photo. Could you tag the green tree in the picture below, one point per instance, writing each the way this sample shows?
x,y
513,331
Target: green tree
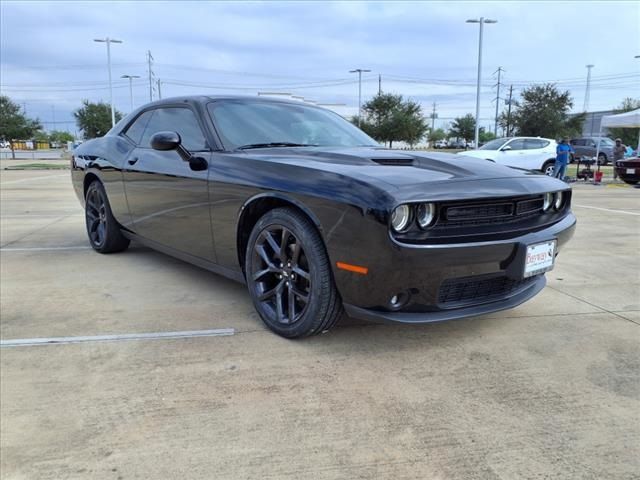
x,y
389,118
41,137
14,125
543,111
463,127
436,135
485,136
94,119
60,136
629,136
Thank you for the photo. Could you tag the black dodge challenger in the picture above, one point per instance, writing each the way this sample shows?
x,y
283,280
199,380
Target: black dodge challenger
x,y
315,217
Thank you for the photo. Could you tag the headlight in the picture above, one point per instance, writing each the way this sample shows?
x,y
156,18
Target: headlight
x,y
400,217
548,200
426,213
558,199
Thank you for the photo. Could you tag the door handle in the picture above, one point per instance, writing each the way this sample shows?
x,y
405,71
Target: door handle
x,y
132,161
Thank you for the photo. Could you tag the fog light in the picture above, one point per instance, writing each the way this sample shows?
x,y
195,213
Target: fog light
x,y
399,300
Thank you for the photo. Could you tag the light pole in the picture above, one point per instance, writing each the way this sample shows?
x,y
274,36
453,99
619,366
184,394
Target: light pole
x,y
130,77
109,41
587,91
480,21
359,71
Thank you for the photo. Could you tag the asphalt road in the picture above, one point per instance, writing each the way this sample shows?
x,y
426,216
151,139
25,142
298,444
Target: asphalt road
x,y
549,390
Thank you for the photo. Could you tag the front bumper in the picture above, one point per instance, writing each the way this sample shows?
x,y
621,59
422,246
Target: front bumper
x,y
420,271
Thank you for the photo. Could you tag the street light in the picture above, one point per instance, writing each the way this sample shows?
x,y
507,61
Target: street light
x,y
109,41
359,71
480,21
130,77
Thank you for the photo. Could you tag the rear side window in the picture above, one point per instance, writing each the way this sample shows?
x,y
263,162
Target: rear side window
x,y
532,144
176,119
136,129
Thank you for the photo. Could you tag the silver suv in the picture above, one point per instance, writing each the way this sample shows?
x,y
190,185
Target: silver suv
x,y
586,147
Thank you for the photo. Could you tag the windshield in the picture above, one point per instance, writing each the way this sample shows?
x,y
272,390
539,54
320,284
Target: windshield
x,y
606,142
494,144
258,124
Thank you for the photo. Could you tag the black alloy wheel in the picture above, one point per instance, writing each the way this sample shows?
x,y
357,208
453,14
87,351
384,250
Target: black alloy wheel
x,y
289,277
102,228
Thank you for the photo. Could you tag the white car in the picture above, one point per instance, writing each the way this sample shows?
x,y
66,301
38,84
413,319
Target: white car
x,y
530,153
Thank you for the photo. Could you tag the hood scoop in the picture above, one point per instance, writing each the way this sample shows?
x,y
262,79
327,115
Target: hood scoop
x,y
397,162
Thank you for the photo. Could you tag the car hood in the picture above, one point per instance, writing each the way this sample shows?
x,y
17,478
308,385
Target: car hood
x,y
391,167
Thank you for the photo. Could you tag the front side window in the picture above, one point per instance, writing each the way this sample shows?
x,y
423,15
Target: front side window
x,y
248,123
494,144
176,119
136,129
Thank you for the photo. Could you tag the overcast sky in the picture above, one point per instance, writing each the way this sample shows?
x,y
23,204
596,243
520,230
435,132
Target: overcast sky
x,y
424,50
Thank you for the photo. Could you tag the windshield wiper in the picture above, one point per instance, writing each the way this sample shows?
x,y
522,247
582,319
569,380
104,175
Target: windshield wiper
x,y
275,144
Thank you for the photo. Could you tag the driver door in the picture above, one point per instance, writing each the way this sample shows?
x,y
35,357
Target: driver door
x,y
169,202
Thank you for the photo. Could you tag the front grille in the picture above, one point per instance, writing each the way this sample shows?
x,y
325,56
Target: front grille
x,y
487,213
475,290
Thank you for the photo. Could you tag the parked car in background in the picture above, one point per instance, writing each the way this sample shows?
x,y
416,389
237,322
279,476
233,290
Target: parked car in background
x,y
587,147
530,153
457,143
314,216
628,170
440,144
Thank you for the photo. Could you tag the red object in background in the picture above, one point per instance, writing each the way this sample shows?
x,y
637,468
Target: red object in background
x,y
598,176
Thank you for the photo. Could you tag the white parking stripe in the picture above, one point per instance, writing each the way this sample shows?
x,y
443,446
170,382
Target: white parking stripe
x,y
606,209
29,342
32,178
41,249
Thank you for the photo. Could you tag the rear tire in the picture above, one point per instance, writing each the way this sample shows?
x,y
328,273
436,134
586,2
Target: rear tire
x,y
289,276
102,228
549,168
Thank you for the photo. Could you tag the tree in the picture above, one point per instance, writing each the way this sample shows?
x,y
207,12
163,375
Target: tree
x,y
629,136
94,119
40,137
485,136
388,118
437,135
13,124
543,111
463,127
60,136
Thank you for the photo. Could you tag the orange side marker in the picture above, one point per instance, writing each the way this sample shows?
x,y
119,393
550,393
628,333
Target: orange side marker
x,y
352,268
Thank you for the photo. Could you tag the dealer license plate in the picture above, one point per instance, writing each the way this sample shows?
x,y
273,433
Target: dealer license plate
x,y
539,258
631,171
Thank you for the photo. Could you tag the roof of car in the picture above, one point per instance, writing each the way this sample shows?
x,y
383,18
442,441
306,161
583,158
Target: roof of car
x,y
207,98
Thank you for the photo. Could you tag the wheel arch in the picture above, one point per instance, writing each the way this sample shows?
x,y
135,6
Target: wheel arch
x,y
255,207
89,178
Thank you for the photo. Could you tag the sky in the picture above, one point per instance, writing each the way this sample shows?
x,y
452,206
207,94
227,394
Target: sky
x,y
425,51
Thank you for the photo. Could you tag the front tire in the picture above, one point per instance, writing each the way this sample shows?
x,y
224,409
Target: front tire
x,y
102,228
289,276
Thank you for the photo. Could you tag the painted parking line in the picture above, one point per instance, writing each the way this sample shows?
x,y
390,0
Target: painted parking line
x,y
22,180
30,342
41,249
606,209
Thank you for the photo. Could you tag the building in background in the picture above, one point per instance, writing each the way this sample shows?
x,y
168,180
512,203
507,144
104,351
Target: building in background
x,y
591,125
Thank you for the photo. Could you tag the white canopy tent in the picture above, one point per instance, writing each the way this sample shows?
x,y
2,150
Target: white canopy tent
x,y
621,120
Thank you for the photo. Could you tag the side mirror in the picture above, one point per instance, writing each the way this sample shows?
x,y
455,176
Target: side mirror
x,y
505,149
164,141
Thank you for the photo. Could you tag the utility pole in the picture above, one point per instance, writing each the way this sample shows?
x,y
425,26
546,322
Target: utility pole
x,y
150,72
130,77
509,111
109,41
587,91
434,115
379,84
159,91
480,21
359,71
495,126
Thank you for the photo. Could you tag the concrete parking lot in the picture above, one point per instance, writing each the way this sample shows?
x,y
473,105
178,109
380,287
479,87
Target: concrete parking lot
x,y
550,389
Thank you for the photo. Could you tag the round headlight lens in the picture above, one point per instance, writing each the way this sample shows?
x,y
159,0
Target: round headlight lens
x,y
426,214
548,200
559,198
400,217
